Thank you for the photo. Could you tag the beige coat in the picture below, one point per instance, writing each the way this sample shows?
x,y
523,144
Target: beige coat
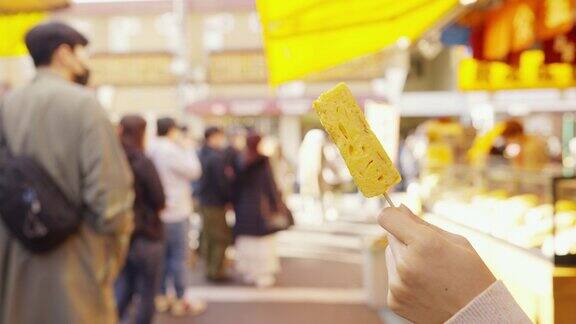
x,y
65,129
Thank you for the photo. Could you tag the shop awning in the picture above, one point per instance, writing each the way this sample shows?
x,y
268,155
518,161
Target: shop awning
x,y
302,37
17,17
19,6
13,27
243,107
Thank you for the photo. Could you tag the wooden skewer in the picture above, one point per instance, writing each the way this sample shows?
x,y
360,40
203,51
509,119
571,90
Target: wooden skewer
x,y
389,200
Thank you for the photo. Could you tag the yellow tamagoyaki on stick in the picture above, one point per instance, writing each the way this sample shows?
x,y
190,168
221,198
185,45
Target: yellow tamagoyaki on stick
x,y
370,166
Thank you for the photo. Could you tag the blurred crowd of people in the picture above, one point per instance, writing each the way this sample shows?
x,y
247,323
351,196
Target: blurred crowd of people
x,y
137,197
224,174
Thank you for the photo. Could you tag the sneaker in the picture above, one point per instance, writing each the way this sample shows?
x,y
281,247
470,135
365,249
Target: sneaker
x,y
184,308
162,303
198,306
265,282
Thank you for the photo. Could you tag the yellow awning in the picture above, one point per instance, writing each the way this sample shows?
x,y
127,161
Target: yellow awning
x,y
305,36
19,6
13,28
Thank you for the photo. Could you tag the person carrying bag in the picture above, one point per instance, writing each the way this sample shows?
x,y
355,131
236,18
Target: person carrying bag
x,y
260,213
32,206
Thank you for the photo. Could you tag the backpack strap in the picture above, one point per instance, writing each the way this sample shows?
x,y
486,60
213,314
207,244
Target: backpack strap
x,y
3,139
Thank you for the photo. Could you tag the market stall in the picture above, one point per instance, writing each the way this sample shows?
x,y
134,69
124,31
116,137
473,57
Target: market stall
x,y
523,224
512,199
519,211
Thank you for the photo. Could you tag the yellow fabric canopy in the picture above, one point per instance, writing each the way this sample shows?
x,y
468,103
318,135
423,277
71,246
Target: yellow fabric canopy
x,y
12,31
19,6
305,36
17,17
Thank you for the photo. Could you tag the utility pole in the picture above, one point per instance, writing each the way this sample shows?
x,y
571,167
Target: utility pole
x,y
181,62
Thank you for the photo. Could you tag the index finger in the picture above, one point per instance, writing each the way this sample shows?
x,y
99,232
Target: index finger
x,y
399,223
454,238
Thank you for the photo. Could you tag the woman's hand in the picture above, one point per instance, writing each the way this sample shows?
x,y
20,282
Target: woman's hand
x,y
432,274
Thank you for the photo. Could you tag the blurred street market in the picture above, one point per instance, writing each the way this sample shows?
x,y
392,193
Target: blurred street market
x,y
230,161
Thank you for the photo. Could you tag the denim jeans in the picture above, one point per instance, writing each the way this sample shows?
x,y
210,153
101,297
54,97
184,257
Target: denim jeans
x,y
175,257
140,277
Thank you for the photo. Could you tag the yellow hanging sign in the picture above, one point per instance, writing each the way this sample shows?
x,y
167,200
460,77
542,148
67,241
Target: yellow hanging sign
x,y
13,28
306,36
531,73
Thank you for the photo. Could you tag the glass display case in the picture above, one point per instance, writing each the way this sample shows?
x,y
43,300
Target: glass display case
x,y
564,191
533,210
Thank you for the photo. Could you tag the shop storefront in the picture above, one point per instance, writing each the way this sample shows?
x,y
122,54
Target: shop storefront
x,y
514,198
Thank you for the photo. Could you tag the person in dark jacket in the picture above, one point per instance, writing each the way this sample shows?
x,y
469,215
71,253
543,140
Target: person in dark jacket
x,y
213,196
236,145
257,198
143,269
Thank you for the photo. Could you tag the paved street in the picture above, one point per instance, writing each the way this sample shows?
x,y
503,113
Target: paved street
x,y
320,282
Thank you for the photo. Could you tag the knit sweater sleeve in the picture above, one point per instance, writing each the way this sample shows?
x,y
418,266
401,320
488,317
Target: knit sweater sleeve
x,y
494,305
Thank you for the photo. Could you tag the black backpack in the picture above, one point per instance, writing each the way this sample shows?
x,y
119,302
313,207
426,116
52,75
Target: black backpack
x,y
32,206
